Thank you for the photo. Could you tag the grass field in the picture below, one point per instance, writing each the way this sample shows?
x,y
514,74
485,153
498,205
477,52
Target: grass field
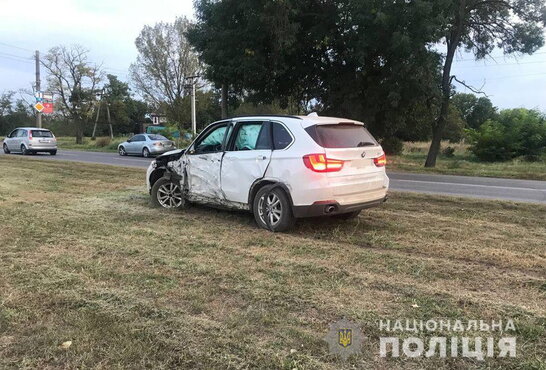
x,y
463,163
102,144
84,258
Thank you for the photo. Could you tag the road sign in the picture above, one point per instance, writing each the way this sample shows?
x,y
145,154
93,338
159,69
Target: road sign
x,y
48,108
39,107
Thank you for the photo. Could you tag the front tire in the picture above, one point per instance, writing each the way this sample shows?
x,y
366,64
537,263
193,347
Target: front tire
x,y
272,209
6,149
121,151
167,194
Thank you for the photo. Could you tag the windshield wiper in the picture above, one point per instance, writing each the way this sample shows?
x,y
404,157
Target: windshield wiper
x,y
365,143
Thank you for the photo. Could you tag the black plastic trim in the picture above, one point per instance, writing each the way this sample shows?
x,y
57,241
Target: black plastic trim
x,y
319,209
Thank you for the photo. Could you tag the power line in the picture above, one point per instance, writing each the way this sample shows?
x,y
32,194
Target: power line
x,y
16,47
493,57
15,56
509,76
502,64
16,59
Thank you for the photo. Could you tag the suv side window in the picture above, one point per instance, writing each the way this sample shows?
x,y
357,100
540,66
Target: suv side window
x,y
281,137
253,136
211,142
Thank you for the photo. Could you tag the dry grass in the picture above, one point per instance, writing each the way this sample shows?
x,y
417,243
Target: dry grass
x,y
85,258
463,163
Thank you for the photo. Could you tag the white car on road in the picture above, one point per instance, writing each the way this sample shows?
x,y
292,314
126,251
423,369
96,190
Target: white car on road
x,y
30,140
278,167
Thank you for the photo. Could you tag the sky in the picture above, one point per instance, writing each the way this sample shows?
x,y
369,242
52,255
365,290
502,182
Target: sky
x,y
108,29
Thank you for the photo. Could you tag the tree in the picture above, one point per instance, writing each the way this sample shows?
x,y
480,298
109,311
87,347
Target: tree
x,y
514,26
75,81
13,112
514,133
364,59
474,111
165,59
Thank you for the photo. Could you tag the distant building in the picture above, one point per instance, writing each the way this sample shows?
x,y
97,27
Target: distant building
x,y
158,119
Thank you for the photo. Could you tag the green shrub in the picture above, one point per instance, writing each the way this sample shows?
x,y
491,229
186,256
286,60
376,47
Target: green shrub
x,y
392,145
515,133
448,152
102,142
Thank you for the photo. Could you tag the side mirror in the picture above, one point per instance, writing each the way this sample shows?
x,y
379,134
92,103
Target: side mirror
x,y
129,140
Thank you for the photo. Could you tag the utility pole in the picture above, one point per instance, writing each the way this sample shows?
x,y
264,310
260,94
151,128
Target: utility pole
x,y
38,88
193,112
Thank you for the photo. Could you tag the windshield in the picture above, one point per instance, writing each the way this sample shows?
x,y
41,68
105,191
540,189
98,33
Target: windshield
x,y
341,136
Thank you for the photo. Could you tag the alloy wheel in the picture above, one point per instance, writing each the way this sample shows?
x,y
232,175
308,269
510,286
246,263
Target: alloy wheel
x,y
270,209
169,195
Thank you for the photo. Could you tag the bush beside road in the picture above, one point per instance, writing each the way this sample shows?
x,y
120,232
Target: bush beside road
x,y
86,259
463,163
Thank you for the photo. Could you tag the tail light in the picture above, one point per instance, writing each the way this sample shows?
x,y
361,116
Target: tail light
x,y
320,163
30,135
380,161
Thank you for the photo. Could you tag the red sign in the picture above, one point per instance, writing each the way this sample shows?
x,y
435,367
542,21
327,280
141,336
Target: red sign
x,y
48,108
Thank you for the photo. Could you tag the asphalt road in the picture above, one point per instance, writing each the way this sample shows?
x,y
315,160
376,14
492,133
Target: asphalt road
x,y
476,187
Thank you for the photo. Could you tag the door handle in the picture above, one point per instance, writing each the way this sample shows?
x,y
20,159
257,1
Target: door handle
x,y
203,157
261,158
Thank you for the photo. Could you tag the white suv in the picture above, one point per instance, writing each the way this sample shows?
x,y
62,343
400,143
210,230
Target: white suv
x,y
278,167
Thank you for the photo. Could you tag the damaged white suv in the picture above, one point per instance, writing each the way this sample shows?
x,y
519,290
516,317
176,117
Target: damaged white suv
x,y
278,167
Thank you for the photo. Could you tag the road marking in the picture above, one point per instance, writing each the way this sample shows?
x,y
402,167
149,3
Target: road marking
x,y
462,184
134,160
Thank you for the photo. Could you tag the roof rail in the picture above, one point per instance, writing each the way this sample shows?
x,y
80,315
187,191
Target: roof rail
x,y
268,115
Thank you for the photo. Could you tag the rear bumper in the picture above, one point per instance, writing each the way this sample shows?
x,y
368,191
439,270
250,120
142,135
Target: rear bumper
x,y
42,148
330,209
161,150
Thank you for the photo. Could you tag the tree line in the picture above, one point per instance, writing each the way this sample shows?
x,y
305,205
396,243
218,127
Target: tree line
x,y
387,63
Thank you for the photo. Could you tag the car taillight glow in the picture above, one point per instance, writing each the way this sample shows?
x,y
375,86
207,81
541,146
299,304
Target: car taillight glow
x,y
30,135
380,161
320,163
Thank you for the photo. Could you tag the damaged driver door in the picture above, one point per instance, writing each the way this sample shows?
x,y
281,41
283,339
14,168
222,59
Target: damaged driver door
x,y
246,159
203,167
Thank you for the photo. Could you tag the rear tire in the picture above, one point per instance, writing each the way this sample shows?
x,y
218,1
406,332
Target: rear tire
x,y
53,152
6,150
24,150
167,194
146,153
272,209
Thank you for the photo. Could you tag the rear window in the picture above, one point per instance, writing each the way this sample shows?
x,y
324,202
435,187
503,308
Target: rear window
x,y
341,136
157,137
41,133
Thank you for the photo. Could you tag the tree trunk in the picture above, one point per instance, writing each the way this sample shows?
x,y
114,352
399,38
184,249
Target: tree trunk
x,y
452,44
224,103
437,133
79,131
